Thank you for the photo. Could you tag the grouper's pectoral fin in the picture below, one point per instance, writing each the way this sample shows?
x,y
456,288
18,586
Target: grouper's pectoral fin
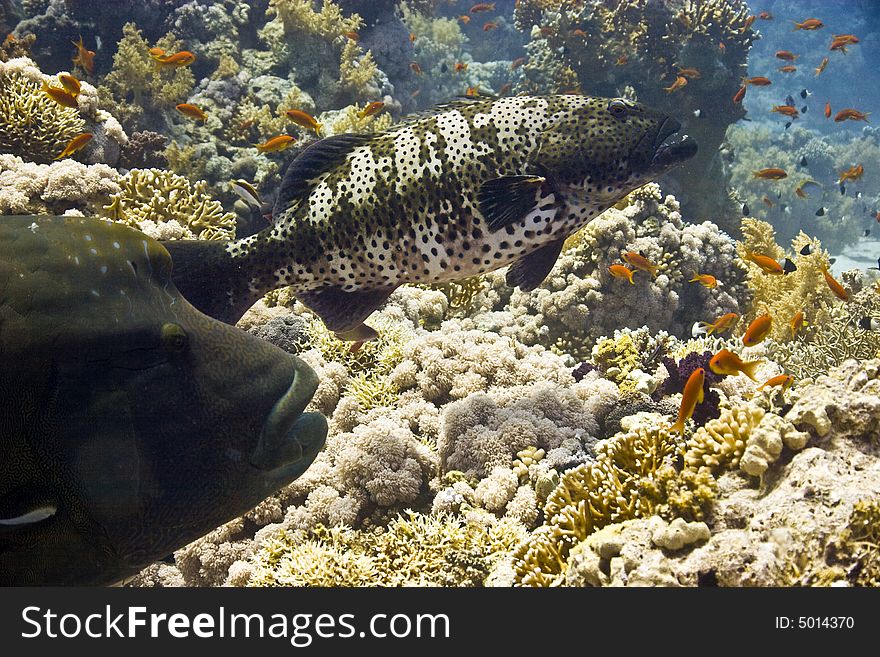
x,y
344,312
531,269
507,200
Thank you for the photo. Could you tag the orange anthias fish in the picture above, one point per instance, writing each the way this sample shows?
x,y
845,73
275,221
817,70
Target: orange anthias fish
x,y
853,173
483,6
838,289
84,57
372,108
505,88
767,201
178,59
623,60
797,323
692,73
465,19
75,144
706,280
839,45
765,16
758,81
787,69
192,111
639,261
757,330
846,38
70,83
472,92
680,81
460,67
739,95
621,271
767,264
157,53
852,115
787,110
516,63
787,55
412,37
809,24
414,66
727,363
60,96
821,66
827,110
772,173
276,144
690,397
721,325
352,35
489,25
783,380
304,120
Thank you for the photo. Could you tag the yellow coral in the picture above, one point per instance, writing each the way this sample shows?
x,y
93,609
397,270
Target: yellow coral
x,y
350,120
413,550
616,357
299,16
357,69
227,67
153,195
33,126
720,443
461,294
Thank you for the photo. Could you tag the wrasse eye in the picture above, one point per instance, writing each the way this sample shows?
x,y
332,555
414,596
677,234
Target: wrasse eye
x,y
174,337
618,108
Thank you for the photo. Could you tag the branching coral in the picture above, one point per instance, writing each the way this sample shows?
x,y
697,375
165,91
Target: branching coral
x,y
157,201
413,550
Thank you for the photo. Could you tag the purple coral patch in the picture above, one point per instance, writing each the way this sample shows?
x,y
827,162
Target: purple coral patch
x,y
678,376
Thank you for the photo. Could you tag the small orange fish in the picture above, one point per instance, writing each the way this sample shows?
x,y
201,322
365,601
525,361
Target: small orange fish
x,y
787,110
758,81
706,280
60,96
680,81
74,145
839,45
414,66
757,330
721,47
809,24
783,380
577,32
489,25
177,60
727,363
639,261
846,38
739,95
412,37
787,69
70,83
821,66
192,111
827,110
547,31
84,57
765,16
767,264
351,34
852,115
721,325
622,271
853,173
157,53
799,190
483,6
372,108
415,93
767,201
505,88
623,60
772,173
276,144
516,63
472,92
786,55
690,397
304,120
464,19
692,73
838,289
748,23
460,67
797,323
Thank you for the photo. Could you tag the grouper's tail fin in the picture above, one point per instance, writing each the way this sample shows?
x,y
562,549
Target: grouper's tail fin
x,y
210,279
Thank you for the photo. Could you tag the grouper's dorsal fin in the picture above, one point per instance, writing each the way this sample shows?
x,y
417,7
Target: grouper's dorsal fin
x,y
531,269
507,200
320,157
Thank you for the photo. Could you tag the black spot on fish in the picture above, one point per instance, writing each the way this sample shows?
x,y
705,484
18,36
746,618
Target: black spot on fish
x,y
444,67
804,109
831,261
804,93
866,232
806,250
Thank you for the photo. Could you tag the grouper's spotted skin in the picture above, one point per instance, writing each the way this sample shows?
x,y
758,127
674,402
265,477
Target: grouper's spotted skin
x,y
472,187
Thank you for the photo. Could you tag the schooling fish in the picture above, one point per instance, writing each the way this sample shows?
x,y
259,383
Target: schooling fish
x,y
177,60
276,144
821,66
706,280
797,323
70,83
767,264
76,144
727,363
772,173
851,115
782,380
84,57
306,120
60,96
721,325
838,289
639,261
809,24
622,271
192,111
471,187
758,329
690,397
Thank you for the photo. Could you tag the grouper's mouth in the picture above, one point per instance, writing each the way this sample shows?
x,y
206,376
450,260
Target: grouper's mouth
x,y
671,149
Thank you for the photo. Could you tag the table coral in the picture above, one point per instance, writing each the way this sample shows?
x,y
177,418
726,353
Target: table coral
x,y
160,197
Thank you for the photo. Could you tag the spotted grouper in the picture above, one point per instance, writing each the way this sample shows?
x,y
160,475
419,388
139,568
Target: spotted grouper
x,y
465,189
130,423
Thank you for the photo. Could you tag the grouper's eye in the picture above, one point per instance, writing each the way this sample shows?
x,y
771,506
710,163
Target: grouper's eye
x,y
618,108
174,338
